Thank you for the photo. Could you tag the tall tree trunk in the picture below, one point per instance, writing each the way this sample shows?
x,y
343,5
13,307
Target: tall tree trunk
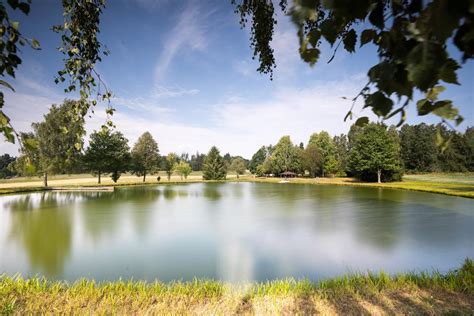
x,y
99,177
45,179
144,175
237,175
379,176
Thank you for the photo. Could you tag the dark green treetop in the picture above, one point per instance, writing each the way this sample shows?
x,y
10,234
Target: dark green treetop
x,y
214,167
108,152
145,155
375,154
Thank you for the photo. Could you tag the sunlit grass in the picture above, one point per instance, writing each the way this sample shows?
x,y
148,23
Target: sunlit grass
x,y
456,184
38,295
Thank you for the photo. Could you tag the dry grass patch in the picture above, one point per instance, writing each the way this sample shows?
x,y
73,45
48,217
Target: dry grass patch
x,y
370,294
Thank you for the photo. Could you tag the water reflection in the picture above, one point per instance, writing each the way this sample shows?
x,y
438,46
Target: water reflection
x,y
102,212
212,191
379,219
42,229
232,231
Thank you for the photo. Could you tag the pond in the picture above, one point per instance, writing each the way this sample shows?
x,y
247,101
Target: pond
x,y
233,232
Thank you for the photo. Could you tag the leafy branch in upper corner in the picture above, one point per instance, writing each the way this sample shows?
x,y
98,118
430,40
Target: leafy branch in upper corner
x,y
411,38
83,50
10,41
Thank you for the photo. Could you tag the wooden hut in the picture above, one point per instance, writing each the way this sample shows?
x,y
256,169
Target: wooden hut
x,y
288,174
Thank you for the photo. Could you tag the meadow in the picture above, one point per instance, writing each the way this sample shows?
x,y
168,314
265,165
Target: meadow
x,y
456,184
357,294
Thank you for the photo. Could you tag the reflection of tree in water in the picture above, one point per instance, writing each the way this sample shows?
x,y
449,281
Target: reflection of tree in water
x,y
391,215
144,208
379,217
169,193
212,191
237,189
437,227
102,211
41,223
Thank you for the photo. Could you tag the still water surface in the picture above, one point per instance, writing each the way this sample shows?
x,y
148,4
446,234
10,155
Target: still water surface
x,y
232,232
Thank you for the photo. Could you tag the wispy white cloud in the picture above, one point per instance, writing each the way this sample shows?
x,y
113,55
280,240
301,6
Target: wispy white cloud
x,y
240,126
147,105
152,104
188,33
161,92
24,109
237,124
244,67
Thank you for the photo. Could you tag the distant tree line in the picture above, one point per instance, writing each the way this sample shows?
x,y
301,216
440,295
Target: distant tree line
x,y
52,149
373,152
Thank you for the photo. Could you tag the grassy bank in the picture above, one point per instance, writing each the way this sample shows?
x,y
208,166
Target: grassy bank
x,y
380,293
456,184
450,184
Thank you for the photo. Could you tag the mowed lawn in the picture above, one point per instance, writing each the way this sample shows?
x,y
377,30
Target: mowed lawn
x,y
457,184
33,183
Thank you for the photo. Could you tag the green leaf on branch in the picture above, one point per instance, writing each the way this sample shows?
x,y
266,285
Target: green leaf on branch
x,y
6,84
434,92
349,114
24,7
367,36
313,37
310,55
36,45
376,16
448,71
361,121
329,31
350,40
30,143
424,63
445,109
380,104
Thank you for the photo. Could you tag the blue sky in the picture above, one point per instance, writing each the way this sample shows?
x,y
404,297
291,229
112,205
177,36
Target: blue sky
x,y
183,70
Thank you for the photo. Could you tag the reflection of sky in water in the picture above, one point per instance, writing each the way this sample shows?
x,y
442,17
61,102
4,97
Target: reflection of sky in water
x,y
233,232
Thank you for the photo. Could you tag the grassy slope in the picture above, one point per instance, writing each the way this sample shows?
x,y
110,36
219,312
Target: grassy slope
x,y
449,184
457,184
380,293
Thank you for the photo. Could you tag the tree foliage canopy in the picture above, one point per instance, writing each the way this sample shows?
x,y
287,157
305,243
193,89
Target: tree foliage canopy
x,y
6,163
375,154
169,164
145,155
183,169
238,166
285,157
323,143
59,147
214,167
411,38
108,152
312,160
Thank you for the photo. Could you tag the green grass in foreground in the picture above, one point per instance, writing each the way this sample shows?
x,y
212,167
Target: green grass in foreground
x,y
371,293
